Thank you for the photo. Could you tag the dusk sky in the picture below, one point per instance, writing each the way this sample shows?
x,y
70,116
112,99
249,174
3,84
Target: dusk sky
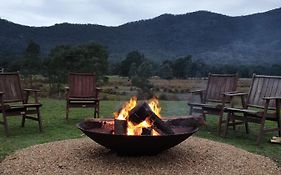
x,y
118,12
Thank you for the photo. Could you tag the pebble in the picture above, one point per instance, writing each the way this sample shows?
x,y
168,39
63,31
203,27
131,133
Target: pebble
x,y
83,156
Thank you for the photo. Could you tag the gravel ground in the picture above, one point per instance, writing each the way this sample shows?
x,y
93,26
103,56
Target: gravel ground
x,y
83,156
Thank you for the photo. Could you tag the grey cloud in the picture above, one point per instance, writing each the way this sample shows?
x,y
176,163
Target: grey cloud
x,y
117,12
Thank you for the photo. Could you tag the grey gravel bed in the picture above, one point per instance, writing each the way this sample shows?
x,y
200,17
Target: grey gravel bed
x,y
83,156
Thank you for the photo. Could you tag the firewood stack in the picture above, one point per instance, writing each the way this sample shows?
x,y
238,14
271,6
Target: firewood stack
x,y
139,114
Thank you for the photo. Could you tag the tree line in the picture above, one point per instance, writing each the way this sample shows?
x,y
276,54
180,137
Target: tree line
x,y
185,67
93,57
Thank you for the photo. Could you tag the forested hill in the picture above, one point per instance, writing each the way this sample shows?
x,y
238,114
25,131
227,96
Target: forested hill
x,y
204,35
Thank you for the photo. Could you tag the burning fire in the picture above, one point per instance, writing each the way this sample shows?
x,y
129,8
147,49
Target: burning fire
x,y
132,129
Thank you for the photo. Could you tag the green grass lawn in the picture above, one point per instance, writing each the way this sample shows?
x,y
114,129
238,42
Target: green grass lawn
x,y
56,128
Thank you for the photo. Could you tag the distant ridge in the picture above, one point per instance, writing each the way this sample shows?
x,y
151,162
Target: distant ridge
x,y
208,36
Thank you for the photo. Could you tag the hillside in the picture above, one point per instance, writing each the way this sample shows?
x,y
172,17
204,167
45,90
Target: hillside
x,y
208,36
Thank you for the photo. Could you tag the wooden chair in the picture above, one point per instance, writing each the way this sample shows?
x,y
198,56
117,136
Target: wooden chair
x,y
14,103
262,103
212,100
82,92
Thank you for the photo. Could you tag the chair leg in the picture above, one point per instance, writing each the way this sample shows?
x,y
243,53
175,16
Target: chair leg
x,y
98,109
66,111
246,125
233,122
278,117
261,131
278,106
190,110
227,123
23,120
95,112
6,125
39,119
279,127
219,124
204,115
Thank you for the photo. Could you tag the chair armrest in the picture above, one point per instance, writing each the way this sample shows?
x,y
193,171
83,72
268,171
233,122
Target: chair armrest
x,y
66,93
32,90
241,110
28,93
277,102
231,95
230,92
235,94
1,95
98,89
1,100
199,91
271,98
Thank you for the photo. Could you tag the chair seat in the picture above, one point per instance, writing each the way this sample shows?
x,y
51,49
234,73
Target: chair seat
x,y
268,116
13,108
29,105
240,110
82,102
253,113
83,99
204,105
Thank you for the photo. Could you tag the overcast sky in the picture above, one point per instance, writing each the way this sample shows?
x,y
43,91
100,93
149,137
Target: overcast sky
x,y
117,12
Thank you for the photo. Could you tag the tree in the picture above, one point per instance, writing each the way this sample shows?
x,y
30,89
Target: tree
x,y
133,70
141,79
145,69
275,69
199,69
81,58
132,57
182,67
31,63
165,71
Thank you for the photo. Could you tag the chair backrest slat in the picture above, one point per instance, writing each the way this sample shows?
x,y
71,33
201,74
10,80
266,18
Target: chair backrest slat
x,y
264,86
218,84
82,85
10,85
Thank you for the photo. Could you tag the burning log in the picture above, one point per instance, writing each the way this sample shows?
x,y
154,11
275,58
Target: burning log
x,y
90,123
120,127
146,131
141,112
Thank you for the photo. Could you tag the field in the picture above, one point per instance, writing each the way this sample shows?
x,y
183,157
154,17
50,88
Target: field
x,y
57,128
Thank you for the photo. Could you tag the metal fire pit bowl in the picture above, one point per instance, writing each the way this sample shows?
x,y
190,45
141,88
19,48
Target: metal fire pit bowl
x,y
101,131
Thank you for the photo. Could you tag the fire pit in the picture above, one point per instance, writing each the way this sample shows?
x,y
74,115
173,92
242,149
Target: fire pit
x,y
139,129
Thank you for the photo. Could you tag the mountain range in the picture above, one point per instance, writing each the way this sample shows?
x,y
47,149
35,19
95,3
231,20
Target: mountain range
x,y
211,37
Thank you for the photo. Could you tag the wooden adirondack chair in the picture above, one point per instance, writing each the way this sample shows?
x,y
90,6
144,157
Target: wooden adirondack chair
x,y
212,100
14,103
82,92
262,103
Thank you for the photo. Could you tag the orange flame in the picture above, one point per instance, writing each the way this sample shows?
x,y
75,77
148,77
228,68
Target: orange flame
x,y
132,129
154,105
127,107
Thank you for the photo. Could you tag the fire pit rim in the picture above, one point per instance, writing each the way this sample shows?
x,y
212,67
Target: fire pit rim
x,y
78,125
135,145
